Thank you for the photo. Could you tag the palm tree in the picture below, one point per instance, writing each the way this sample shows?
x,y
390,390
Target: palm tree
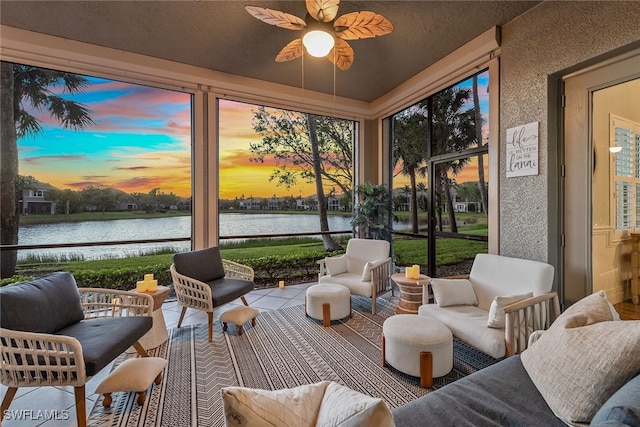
x,y
26,84
454,129
410,129
478,119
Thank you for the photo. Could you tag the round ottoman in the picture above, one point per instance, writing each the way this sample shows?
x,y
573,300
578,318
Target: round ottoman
x,y
327,302
418,346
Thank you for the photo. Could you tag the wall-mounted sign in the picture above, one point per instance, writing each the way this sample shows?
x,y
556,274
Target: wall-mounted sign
x,y
522,150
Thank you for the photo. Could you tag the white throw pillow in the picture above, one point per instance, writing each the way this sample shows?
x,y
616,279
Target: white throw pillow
x,y
326,403
292,407
366,271
496,313
336,264
583,359
449,292
342,406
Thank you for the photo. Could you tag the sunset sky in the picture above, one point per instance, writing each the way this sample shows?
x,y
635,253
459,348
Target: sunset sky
x,y
142,140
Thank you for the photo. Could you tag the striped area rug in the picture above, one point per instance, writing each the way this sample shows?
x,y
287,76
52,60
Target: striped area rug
x,y
285,349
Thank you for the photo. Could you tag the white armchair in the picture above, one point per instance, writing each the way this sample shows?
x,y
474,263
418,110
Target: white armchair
x,y
365,269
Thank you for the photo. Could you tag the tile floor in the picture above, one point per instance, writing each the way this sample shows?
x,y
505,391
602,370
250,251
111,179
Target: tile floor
x,y
54,406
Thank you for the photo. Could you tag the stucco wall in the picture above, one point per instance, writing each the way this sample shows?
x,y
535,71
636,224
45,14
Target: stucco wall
x,y
550,38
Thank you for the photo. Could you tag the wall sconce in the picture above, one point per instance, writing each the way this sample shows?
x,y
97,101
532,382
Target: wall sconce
x,y
615,149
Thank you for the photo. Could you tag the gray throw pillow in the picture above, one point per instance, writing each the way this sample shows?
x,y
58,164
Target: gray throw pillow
x,y
44,305
204,265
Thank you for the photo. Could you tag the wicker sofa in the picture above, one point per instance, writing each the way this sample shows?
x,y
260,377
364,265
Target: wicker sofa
x,y
53,333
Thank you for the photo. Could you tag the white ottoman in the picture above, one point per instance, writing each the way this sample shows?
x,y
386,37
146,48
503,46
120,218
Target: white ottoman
x,y
327,302
418,346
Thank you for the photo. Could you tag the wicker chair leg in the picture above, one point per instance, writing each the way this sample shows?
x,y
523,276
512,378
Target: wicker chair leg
x,y
184,310
244,300
81,406
210,315
140,349
8,398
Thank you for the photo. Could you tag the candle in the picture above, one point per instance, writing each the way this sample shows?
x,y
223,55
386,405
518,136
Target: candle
x,y
281,284
416,271
149,284
141,286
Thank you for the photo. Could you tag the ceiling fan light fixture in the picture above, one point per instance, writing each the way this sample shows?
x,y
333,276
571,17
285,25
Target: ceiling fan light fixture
x,y
318,43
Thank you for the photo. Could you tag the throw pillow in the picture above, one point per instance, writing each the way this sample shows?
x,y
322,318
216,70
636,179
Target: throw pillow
x,y
583,358
336,265
326,403
292,407
343,407
623,408
366,271
496,312
449,292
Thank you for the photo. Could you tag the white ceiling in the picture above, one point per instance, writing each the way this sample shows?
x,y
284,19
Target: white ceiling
x,y
222,36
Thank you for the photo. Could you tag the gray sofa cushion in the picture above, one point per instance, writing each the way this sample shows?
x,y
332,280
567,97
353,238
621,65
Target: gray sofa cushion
x,y
204,265
623,408
45,305
500,395
105,338
226,290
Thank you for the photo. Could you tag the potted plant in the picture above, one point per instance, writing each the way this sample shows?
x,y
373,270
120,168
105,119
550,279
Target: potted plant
x,y
373,212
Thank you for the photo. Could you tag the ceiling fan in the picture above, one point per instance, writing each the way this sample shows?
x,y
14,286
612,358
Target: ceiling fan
x,y
324,31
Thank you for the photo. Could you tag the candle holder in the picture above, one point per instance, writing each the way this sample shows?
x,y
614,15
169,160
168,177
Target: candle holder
x,y
281,284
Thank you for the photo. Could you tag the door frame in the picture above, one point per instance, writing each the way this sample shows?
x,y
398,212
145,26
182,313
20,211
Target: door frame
x,y
575,166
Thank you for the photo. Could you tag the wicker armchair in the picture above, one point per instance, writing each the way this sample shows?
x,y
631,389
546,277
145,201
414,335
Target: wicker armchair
x,y
34,359
204,281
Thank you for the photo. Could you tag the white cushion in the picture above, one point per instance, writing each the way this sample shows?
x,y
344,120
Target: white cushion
x,y
469,324
322,404
583,358
132,375
496,275
352,281
366,272
336,265
496,312
449,292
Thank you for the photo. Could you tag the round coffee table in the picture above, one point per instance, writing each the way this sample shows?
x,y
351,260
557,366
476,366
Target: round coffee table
x,y
410,293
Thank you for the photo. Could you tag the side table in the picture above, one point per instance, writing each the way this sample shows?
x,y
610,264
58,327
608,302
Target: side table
x,y
410,293
158,333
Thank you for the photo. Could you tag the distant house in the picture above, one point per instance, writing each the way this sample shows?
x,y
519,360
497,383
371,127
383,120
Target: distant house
x,y
33,199
127,206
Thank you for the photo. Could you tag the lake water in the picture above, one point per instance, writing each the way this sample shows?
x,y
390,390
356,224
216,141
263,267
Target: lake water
x,y
231,224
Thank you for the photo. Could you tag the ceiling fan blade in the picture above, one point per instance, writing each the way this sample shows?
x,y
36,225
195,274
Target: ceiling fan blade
x,y
277,18
291,51
323,10
361,25
341,55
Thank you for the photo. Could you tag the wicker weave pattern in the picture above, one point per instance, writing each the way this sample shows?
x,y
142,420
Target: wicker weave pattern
x,y
50,360
233,270
114,303
192,293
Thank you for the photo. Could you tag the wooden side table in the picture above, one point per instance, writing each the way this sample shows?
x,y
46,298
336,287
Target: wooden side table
x,y
158,333
410,293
